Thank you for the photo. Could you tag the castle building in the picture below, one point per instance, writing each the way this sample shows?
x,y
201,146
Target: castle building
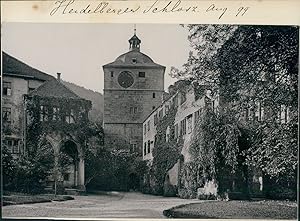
x,y
18,79
31,97
133,87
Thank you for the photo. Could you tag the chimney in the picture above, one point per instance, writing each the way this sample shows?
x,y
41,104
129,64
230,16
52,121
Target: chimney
x,y
58,76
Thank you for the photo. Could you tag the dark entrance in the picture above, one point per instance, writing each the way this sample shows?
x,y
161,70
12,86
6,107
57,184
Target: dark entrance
x,y
133,182
70,159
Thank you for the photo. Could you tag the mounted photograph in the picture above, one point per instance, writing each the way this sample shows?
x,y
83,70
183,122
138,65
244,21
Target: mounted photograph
x,y
149,121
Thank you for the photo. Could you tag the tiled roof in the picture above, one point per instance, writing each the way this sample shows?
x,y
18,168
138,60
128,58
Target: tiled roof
x,y
15,67
54,88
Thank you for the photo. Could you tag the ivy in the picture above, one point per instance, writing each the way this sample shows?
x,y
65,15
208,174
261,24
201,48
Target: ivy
x,y
37,128
165,154
214,149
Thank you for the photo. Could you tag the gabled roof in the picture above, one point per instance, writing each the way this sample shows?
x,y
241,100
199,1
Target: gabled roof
x,y
54,88
15,67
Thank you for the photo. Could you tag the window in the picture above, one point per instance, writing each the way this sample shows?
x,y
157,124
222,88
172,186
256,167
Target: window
x,y
145,148
6,114
259,111
66,177
145,128
70,119
149,147
133,110
189,124
153,95
30,89
134,60
112,74
284,114
168,134
133,147
197,115
176,130
55,114
155,119
142,74
43,113
183,127
13,145
160,113
148,125
6,88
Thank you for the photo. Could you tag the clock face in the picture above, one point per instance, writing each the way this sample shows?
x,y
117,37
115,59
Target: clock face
x,y
125,79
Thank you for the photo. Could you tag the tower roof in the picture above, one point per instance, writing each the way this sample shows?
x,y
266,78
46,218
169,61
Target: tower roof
x,y
134,58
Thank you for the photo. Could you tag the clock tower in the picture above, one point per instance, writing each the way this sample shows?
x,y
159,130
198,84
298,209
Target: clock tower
x,y
133,87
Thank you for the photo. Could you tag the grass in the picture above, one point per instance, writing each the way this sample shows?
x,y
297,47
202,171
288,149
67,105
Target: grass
x,y
235,210
17,198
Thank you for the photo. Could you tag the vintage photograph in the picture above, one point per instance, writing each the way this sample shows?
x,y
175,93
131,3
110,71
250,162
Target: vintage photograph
x,y
149,121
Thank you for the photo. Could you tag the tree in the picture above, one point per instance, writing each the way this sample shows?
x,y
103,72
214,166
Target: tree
x,y
205,40
261,63
246,64
8,168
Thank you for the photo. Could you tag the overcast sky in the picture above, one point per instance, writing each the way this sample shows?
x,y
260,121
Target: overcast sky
x,y
78,51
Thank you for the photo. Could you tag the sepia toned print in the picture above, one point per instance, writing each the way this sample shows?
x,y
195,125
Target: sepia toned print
x,y
170,121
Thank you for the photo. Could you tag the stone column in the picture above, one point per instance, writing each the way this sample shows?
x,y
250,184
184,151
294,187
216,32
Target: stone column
x,y
81,173
58,182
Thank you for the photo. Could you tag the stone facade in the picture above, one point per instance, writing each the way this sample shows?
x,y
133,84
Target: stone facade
x,y
133,87
188,109
18,80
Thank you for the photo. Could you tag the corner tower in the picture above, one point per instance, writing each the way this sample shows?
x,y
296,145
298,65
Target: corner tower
x,y
133,87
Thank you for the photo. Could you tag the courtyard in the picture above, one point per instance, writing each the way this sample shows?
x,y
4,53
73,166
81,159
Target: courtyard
x,y
115,205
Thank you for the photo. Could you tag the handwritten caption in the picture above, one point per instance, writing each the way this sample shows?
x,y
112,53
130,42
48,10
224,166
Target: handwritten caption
x,y
68,7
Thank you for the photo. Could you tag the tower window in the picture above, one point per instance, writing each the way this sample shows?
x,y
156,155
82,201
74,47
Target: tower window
x,y
112,74
133,110
153,95
6,112
6,88
142,74
133,147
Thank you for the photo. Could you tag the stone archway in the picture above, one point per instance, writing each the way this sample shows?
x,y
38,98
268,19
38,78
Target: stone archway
x,y
73,173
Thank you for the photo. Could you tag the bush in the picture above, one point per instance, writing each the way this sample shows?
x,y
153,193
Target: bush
x,y
187,194
282,193
170,190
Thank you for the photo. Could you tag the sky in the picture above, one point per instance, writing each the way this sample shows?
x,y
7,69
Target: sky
x,y
78,51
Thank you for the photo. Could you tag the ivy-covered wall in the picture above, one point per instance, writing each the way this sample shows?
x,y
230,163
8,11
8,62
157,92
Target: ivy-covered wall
x,y
56,120
165,156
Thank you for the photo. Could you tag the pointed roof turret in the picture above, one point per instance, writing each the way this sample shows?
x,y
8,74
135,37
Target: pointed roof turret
x,y
134,42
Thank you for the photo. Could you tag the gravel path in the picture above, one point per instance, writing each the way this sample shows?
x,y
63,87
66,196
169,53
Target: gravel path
x,y
122,205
